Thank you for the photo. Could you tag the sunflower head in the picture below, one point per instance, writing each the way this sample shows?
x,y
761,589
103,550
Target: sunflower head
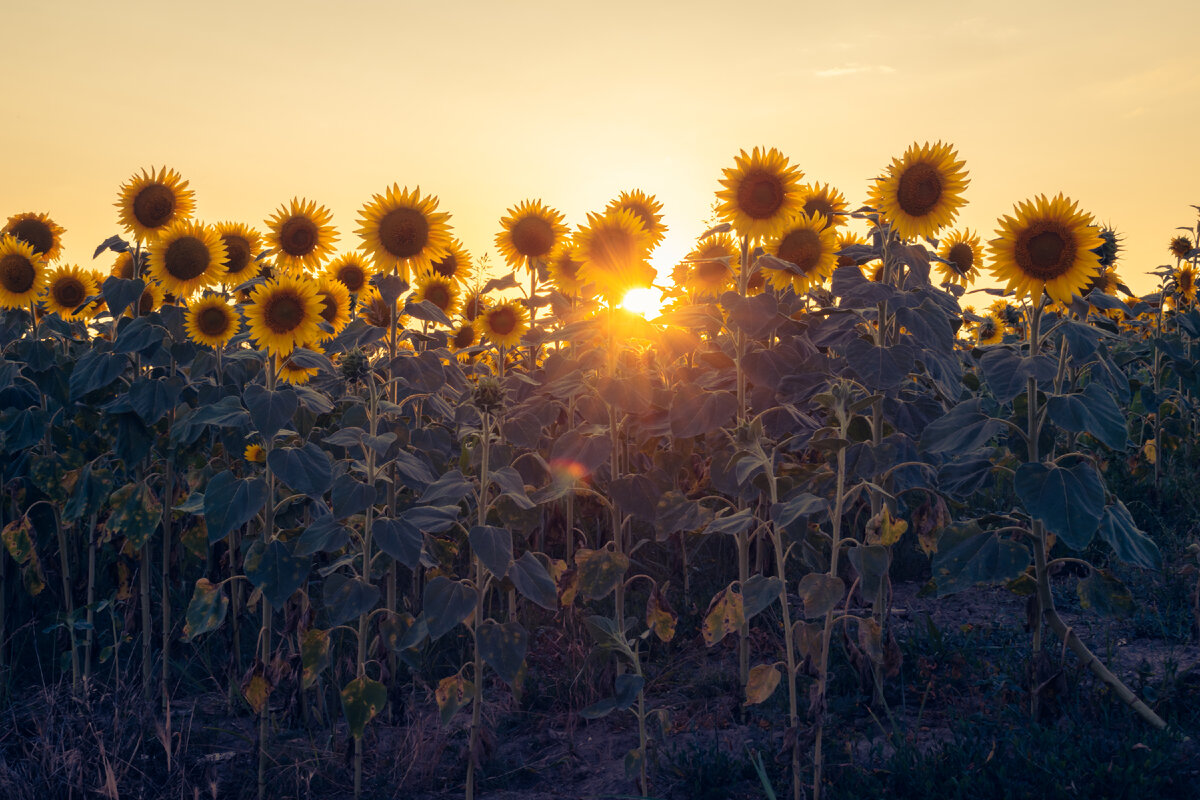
x,y
442,292
284,313
186,257
403,230
352,270
530,230
808,243
149,202
1049,244
301,235
243,245
67,288
989,330
648,211
1110,246
849,239
503,324
211,321
38,231
762,191
465,336
1185,283
823,199
255,454
376,310
612,250
922,191
712,266
335,303
1107,281
22,273
564,270
288,372
473,305
1180,246
455,265
963,257
151,299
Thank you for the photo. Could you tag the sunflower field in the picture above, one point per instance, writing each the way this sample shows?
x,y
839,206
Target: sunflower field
x,y
286,517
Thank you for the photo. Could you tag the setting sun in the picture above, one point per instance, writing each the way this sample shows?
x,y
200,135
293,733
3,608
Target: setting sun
x,y
648,302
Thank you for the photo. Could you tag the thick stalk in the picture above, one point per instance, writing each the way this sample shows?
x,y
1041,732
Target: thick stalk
x,y
785,613
90,634
361,664
615,473
68,599
168,503
743,537
485,431
147,619
265,629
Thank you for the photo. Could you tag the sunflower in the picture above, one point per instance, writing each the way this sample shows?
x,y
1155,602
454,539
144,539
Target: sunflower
x,y
67,288
243,245
711,266
1047,245
402,229
335,299
465,335
151,299
211,321
964,254
374,309
810,244
1180,246
288,372
1108,282
531,230
504,323
38,231
921,192
255,454
22,273
473,305
1110,246
564,270
186,257
1185,283
442,292
989,330
284,313
823,199
648,210
301,235
352,270
153,200
850,239
612,250
454,265
761,192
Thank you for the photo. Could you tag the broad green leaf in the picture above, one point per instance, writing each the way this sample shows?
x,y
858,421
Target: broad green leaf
x,y
305,469
95,370
135,515
871,562
879,367
503,648
398,539
758,593
968,556
1103,592
206,611
270,410
362,699
275,570
820,593
799,505
600,571
626,689
696,411
1126,539
494,547
348,598
963,429
446,604
1068,500
351,496
532,580
230,502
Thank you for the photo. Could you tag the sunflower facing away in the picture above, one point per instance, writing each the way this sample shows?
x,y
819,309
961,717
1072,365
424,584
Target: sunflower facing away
x,y
284,313
1047,245
151,299
335,303
1180,246
761,192
965,254
22,273
352,270
454,265
808,243
504,323
288,372
823,199
442,292
850,239
374,309
301,234
151,201
211,321
531,230
38,231
403,230
922,191
66,290
712,266
612,251
243,245
648,210
186,257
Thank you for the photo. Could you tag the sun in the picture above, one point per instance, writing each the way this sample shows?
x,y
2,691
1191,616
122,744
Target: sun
x,y
645,301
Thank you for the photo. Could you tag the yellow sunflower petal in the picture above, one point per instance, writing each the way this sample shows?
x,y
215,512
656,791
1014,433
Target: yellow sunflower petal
x,y
504,323
965,256
284,313
1047,245
808,243
648,211
66,290
403,230
301,234
22,273
612,250
186,257
38,231
211,321
149,202
762,191
922,191
531,230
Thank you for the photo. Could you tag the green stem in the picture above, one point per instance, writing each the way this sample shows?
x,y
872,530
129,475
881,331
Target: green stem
x,y
485,430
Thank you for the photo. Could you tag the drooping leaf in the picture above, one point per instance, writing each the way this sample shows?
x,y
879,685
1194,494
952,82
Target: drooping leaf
x,y
153,398
399,539
94,370
763,680
362,699
871,563
725,615
275,570
453,692
600,571
879,367
963,429
635,496
1129,543
1069,501
969,556
1104,593
493,546
307,469
270,409
659,616
820,593
230,502
314,655
135,515
533,581
348,598
798,505
503,648
324,535
351,496
758,593
626,688
696,411
206,611
18,541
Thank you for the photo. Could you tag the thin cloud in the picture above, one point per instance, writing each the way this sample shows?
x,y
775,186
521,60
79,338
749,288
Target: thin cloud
x,y
854,69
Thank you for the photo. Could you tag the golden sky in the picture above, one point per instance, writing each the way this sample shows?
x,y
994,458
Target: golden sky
x,y
486,104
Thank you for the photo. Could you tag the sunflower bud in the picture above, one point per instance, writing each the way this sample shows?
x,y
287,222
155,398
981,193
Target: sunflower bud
x,y
355,365
488,395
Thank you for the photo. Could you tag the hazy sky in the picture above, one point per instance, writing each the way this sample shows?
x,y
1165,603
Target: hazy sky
x,y
486,104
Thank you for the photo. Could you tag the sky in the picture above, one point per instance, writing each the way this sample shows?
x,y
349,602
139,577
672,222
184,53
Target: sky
x,y
486,104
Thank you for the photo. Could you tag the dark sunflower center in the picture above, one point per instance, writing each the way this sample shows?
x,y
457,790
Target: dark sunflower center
x,y
802,247
36,234
1180,246
920,190
963,258
17,273
69,292
298,236
124,266
404,232
328,307
711,272
237,254
284,313
154,206
187,258
1045,252
213,321
472,307
352,277
438,295
502,321
987,328
533,237
760,195
819,205
447,267
377,313
464,337
146,302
